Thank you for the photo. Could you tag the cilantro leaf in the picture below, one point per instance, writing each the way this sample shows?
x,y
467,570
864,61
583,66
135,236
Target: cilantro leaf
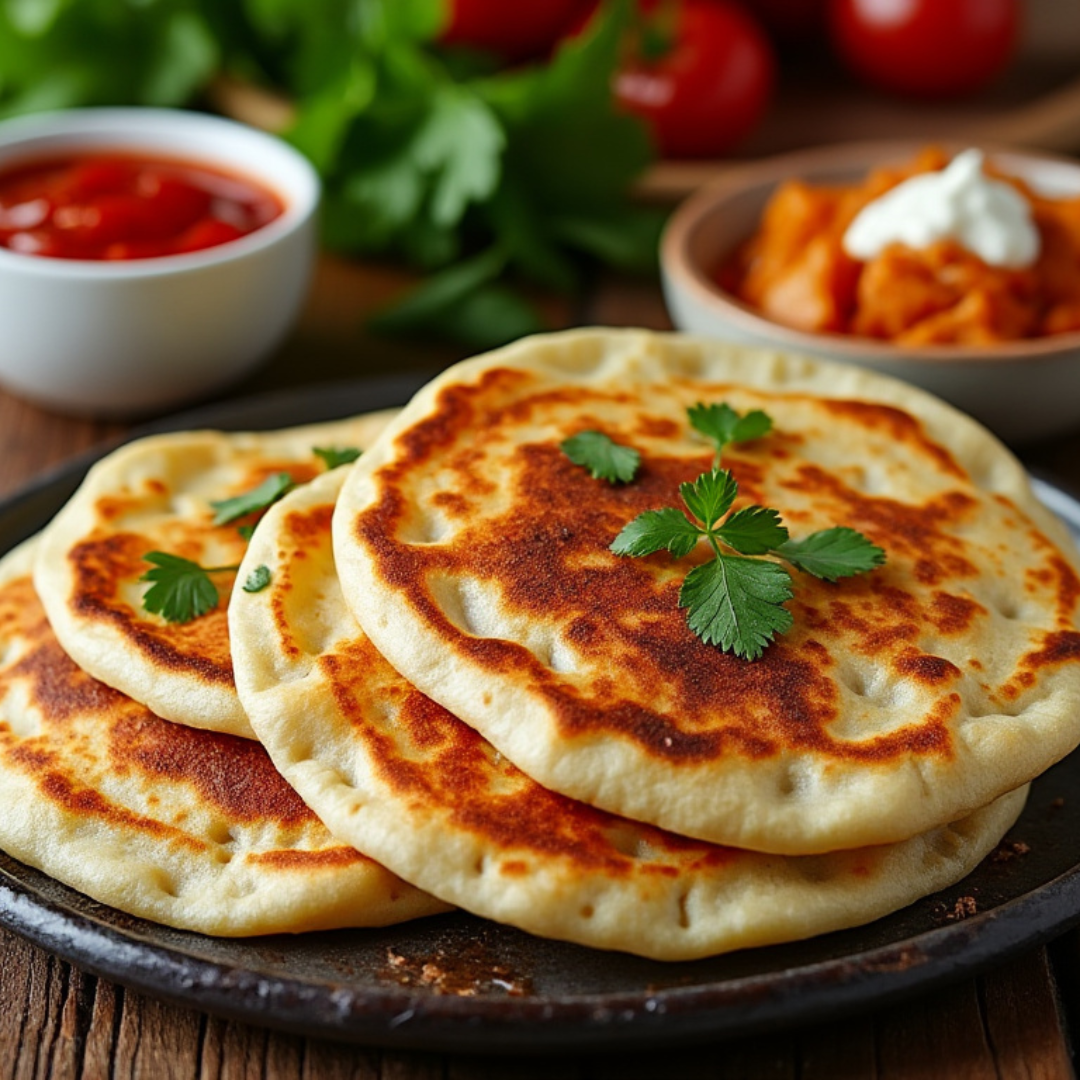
x,y
246,531
182,589
333,457
460,147
656,529
252,502
736,603
710,496
722,425
756,530
257,580
832,553
733,601
602,456
465,302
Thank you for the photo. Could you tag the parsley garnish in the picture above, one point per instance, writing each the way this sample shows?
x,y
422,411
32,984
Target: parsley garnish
x,y
722,425
182,589
252,502
603,457
832,554
333,456
737,601
258,579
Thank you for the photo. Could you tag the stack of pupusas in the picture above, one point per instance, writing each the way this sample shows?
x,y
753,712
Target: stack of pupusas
x,y
461,677
193,828
448,662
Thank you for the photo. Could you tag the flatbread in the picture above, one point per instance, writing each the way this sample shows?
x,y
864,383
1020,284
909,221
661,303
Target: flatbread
x,y
189,828
396,775
476,557
154,495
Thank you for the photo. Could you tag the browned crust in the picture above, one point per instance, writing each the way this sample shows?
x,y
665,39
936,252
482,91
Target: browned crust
x,y
546,558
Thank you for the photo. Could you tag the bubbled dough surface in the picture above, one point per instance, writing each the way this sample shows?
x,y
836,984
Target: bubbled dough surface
x,y
394,774
154,495
189,828
475,556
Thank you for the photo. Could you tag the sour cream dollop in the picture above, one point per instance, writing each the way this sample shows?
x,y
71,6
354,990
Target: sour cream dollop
x,y
988,217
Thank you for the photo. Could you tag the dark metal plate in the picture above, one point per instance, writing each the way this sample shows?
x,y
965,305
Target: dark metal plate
x,y
456,982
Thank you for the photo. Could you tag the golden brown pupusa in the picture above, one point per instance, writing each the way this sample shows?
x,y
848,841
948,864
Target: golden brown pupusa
x,y
397,775
155,495
190,828
476,556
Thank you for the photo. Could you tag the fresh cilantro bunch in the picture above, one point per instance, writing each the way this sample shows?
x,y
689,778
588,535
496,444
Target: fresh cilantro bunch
x,y
480,177
61,53
484,178
736,599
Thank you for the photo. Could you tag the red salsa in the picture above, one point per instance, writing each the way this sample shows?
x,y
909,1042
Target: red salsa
x,y
115,206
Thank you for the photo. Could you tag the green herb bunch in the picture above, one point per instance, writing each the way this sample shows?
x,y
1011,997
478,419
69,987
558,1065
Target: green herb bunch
x,y
433,156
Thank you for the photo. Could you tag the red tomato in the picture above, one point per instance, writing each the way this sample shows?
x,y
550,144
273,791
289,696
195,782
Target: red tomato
x,y
926,48
711,85
513,29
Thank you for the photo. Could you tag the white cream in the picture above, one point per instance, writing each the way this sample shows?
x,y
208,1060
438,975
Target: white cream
x,y
988,217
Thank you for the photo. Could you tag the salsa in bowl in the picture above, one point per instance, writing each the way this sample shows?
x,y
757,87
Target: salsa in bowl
x,y
124,287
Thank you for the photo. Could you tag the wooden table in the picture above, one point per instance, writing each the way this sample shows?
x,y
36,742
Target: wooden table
x,y
1013,1022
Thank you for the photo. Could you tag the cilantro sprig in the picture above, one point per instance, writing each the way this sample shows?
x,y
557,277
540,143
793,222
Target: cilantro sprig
x,y
182,590
258,499
602,456
334,457
736,599
722,425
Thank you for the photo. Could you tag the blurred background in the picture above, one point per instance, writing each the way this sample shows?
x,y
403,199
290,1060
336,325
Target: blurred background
x,y
489,158
488,166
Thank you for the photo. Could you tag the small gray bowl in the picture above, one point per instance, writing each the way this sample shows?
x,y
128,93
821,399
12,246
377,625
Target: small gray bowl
x,y
1022,390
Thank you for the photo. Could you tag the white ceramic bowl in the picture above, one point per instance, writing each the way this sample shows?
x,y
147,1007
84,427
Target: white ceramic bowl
x,y
131,337
1021,390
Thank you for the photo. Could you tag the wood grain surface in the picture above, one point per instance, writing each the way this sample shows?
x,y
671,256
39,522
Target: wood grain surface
x,y
56,1022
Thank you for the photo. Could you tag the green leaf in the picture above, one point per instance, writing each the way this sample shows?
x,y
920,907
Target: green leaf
x,y
565,138
252,502
182,589
384,21
33,17
832,553
710,496
524,235
463,303
333,457
184,58
627,238
323,120
723,425
737,603
246,531
439,294
655,530
257,580
602,456
460,145
754,531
